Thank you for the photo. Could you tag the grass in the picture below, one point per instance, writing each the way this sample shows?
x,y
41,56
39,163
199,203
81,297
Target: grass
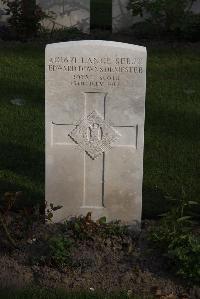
x,y
22,127
171,158
36,293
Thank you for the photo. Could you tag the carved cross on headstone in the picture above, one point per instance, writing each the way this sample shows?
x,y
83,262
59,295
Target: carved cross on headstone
x,y
95,135
95,102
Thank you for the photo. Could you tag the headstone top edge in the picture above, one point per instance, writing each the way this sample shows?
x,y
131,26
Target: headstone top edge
x,y
97,43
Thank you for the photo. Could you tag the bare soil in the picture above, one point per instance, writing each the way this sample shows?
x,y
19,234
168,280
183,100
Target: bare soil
x,y
108,264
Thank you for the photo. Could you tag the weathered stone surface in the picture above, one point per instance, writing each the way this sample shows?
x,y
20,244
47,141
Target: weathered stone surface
x,y
67,13
122,18
95,102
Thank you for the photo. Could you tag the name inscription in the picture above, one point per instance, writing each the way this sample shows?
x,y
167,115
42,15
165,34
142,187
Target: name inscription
x,y
96,71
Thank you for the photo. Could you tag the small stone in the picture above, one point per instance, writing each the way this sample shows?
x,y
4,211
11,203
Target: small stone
x,y
31,241
17,102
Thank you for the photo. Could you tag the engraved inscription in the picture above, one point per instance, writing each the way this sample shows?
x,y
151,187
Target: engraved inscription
x,y
96,71
94,135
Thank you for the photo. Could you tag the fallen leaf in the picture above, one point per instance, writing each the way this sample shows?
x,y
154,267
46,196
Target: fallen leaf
x,y
88,217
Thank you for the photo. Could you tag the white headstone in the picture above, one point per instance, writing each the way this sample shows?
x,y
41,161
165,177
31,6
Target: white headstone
x,y
196,7
3,13
67,13
122,18
95,106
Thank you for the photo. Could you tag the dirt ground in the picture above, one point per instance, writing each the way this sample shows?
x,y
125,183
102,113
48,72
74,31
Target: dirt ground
x,y
114,263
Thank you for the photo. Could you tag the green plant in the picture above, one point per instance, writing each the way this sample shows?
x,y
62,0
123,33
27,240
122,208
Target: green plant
x,y
112,229
25,17
184,250
170,15
59,250
175,236
84,228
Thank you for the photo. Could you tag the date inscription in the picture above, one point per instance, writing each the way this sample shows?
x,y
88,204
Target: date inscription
x,y
96,71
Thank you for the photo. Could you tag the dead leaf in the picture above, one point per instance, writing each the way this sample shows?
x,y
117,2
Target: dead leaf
x,y
88,217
